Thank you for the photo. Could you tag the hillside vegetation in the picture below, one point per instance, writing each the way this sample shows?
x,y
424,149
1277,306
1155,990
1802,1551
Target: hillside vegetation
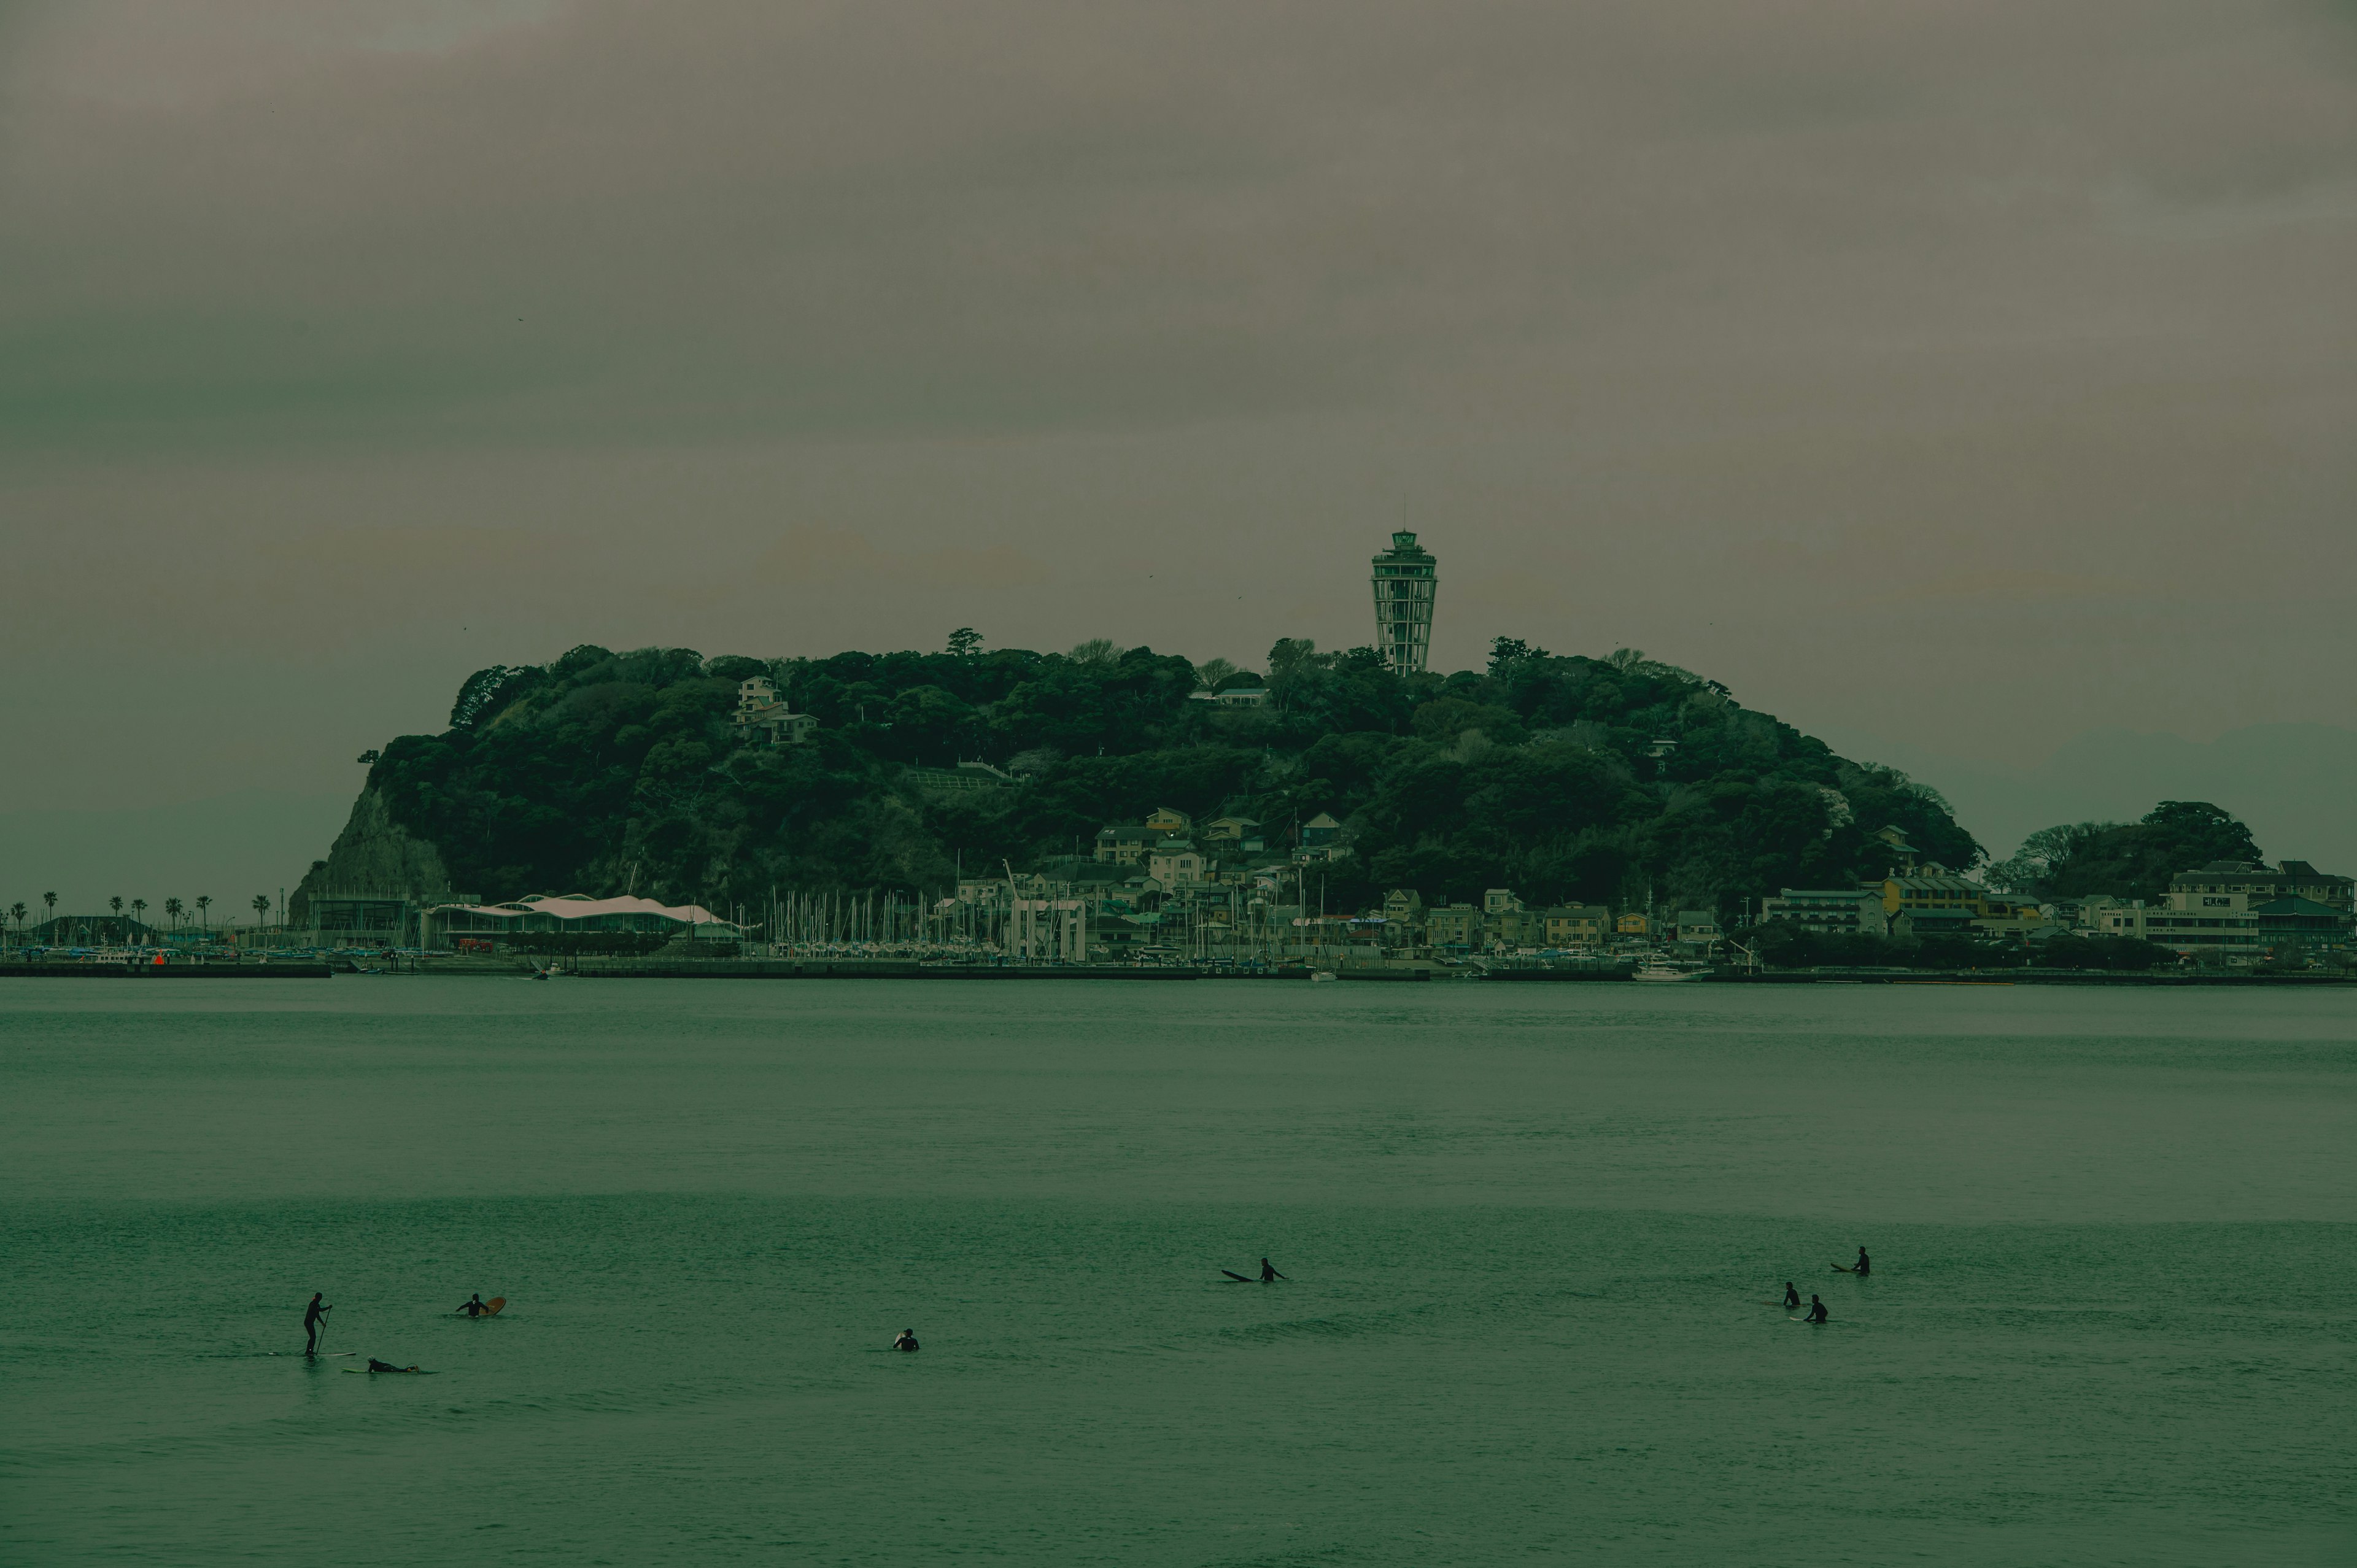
x,y
1563,777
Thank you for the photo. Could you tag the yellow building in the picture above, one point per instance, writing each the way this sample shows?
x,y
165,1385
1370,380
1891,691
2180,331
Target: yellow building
x,y
1579,926
1633,924
1163,819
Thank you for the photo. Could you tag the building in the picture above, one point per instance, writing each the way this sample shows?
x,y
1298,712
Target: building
x,y
1516,929
1128,846
358,918
1499,901
1633,924
2238,878
1174,860
1458,928
1697,926
763,718
1579,926
1231,829
1933,891
2232,911
1320,829
574,912
1048,928
1839,911
1405,580
1164,820
1235,697
1403,911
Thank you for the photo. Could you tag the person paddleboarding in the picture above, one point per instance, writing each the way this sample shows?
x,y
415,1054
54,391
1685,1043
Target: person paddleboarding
x,y
907,1341
314,1319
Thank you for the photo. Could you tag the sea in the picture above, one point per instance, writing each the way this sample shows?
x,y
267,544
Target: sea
x,y
1535,1240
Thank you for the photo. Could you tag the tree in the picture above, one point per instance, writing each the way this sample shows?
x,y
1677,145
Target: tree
x,y
1210,672
139,910
18,909
1097,653
369,758
115,905
964,642
50,906
173,908
2138,860
260,907
204,902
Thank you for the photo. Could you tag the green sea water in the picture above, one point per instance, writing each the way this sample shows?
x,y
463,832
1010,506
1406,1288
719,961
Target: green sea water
x,y
1531,1233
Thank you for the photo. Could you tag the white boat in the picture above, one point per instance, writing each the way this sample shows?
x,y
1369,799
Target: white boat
x,y
1324,974
1660,971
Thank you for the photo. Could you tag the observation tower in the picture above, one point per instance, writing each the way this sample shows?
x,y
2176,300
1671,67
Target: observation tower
x,y
1405,580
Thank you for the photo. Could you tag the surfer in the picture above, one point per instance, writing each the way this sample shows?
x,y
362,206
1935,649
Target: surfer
x,y
1865,1264
474,1308
1816,1310
1268,1274
908,1340
377,1365
312,1315
1791,1295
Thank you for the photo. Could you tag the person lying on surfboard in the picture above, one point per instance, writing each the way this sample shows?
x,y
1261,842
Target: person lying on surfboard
x,y
474,1308
377,1365
908,1340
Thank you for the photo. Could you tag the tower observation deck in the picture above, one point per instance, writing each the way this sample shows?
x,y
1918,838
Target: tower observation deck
x,y
1405,580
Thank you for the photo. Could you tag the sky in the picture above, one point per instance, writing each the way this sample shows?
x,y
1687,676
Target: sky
x,y
1963,378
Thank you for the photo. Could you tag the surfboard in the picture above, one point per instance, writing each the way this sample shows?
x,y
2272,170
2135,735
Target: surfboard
x,y
396,1372
1240,1278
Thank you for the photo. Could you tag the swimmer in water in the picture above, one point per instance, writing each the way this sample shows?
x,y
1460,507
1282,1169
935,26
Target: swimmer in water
x,y
908,1340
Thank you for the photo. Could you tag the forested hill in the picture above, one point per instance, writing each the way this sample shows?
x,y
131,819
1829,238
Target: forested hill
x,y
611,772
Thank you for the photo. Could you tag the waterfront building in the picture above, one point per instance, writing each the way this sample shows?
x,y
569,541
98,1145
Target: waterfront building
x,y
1697,926
763,718
1405,580
574,912
1579,926
1458,928
2234,912
1842,911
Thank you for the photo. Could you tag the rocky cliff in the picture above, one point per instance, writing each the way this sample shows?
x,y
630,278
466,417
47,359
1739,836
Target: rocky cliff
x,y
373,855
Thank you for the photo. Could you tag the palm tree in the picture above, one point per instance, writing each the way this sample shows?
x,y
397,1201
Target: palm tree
x,y
116,904
173,908
18,909
139,910
261,906
50,904
204,902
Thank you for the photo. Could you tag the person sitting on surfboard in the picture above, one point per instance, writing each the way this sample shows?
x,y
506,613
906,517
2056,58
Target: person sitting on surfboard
x,y
1816,1310
1268,1274
1864,1265
1791,1295
908,1340
311,1316
377,1365
474,1308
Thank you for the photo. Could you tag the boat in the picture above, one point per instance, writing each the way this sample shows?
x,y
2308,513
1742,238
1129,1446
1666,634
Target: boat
x,y
1663,970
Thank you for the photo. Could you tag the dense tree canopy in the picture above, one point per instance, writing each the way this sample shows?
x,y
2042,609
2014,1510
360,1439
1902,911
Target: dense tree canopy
x,y
2126,860
1611,779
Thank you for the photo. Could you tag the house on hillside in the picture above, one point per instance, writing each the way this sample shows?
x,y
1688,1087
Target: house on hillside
x,y
764,718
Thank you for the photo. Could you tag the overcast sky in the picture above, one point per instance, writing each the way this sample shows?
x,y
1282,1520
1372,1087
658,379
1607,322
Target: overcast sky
x,y
1972,374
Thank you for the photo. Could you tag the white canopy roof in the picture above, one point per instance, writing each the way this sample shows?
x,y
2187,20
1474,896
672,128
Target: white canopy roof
x,y
581,906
